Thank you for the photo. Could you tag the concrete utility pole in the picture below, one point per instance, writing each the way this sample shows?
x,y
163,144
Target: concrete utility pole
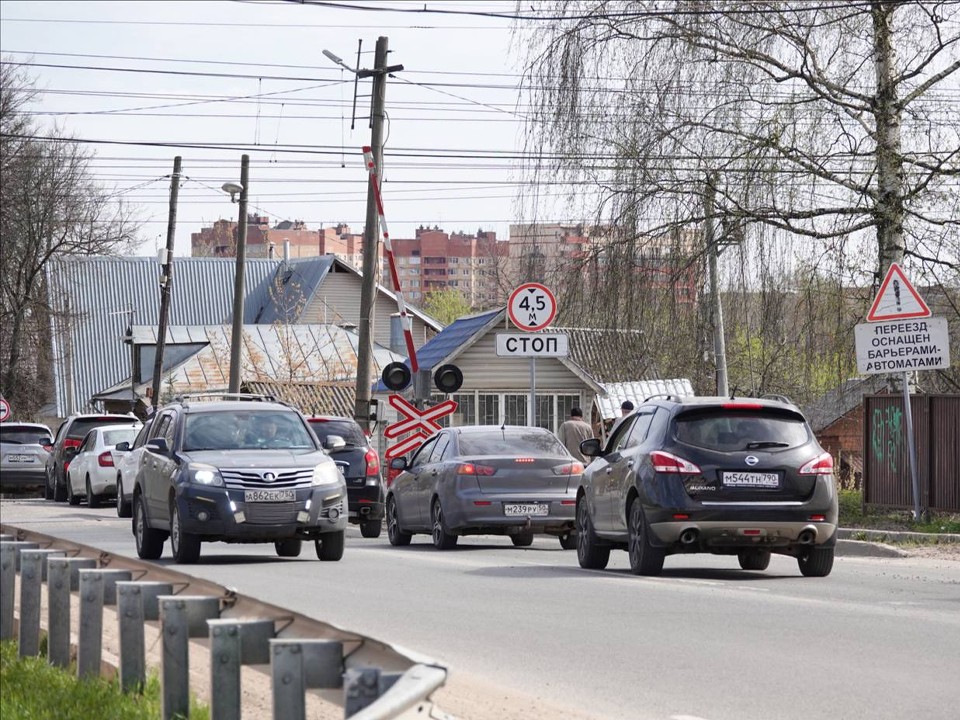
x,y
236,337
716,309
166,280
371,237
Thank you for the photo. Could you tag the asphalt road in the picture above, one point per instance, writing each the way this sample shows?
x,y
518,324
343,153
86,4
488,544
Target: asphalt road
x,y
879,638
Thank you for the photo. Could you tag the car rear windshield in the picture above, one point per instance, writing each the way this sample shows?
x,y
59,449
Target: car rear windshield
x,y
347,429
511,441
82,426
20,435
728,431
114,437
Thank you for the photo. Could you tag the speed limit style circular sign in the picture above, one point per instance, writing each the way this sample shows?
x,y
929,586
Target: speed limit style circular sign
x,y
4,410
532,307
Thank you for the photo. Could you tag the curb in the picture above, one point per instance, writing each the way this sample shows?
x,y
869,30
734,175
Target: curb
x,y
860,548
892,535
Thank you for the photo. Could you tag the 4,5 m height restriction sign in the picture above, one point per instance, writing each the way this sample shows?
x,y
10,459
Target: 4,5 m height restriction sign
x,y
532,307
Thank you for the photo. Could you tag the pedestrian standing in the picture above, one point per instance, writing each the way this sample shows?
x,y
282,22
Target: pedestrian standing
x,y
574,431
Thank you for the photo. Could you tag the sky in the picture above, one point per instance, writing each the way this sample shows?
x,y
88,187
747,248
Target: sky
x,y
251,76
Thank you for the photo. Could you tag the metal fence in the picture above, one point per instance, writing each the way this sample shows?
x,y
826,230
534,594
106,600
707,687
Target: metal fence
x,y
886,471
344,665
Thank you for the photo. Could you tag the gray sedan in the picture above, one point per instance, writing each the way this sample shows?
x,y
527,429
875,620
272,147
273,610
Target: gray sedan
x,y
485,480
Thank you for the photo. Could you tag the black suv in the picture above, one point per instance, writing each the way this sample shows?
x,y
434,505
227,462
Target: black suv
x,y
729,476
237,471
70,435
359,464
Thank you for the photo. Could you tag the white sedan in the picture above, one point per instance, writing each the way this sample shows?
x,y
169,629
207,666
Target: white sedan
x,y
92,473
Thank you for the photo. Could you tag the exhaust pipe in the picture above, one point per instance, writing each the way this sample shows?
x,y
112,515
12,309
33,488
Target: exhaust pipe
x,y
807,536
689,536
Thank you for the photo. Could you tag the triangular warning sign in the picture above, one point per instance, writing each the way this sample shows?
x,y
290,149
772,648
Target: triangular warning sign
x,y
897,299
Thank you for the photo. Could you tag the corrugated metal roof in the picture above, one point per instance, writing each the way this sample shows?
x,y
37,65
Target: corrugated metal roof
x,y
637,391
452,338
310,398
101,296
270,353
608,355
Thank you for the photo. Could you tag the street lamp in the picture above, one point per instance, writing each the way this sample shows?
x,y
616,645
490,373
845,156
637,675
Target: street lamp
x,y
236,335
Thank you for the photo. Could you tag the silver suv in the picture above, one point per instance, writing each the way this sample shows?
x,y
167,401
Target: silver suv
x,y
236,471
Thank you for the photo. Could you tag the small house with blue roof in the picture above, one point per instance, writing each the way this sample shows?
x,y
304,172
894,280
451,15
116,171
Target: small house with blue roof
x,y
496,389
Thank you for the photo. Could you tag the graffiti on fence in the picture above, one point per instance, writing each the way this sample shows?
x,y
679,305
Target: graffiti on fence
x,y
886,432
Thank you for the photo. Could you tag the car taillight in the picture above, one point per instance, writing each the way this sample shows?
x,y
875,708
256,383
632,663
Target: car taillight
x,y
667,463
48,448
473,469
573,468
523,460
373,464
741,406
105,459
820,465
70,443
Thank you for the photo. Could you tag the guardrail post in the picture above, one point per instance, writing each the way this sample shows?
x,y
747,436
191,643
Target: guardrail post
x,y
97,589
234,643
362,686
23,545
400,693
90,643
32,564
181,618
296,665
63,576
8,581
136,603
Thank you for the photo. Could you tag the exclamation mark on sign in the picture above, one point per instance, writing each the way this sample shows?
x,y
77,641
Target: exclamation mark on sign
x,y
896,293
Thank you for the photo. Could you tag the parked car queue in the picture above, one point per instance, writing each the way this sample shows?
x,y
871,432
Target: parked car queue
x,y
743,477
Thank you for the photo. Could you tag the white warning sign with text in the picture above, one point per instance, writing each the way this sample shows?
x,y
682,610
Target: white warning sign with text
x,y
899,346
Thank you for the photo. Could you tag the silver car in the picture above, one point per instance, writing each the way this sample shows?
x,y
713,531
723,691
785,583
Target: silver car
x,y
485,480
24,449
126,458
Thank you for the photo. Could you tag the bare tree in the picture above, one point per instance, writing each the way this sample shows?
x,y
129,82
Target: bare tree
x,y
50,207
819,127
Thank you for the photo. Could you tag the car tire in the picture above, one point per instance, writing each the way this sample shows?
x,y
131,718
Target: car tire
x,y
72,497
123,507
522,539
47,488
645,559
754,559
590,553
330,546
371,528
59,489
442,540
149,541
93,500
815,562
568,541
396,536
185,546
289,548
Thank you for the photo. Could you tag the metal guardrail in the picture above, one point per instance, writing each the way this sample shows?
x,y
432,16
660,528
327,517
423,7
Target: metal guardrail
x,y
371,679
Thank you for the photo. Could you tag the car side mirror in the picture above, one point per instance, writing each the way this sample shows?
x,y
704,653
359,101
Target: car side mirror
x,y
46,443
158,445
122,446
591,448
334,442
398,463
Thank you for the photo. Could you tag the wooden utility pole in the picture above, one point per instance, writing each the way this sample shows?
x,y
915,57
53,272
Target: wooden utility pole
x,y
371,238
236,336
716,308
166,280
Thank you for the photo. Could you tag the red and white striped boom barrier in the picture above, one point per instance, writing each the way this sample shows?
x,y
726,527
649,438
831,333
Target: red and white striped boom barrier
x,y
405,320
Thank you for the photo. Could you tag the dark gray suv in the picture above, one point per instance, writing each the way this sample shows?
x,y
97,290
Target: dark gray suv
x,y
728,476
236,471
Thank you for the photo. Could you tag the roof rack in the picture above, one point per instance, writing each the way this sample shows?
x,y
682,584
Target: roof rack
x,y
665,396
778,398
224,396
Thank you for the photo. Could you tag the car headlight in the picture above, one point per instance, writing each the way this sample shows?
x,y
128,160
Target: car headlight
x,y
205,475
326,474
